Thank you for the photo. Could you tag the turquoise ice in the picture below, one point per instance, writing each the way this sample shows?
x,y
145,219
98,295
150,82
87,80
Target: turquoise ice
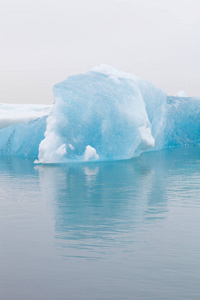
x,y
104,115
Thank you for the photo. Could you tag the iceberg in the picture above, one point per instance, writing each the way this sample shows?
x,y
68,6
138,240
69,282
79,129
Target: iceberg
x,y
22,128
103,114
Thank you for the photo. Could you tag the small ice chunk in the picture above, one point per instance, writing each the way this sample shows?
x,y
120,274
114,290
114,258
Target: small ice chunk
x,y
147,138
90,154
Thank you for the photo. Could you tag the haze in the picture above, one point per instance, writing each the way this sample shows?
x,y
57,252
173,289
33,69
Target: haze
x,y
43,42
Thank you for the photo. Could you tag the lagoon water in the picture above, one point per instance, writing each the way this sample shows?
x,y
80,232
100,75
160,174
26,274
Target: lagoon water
x,y
119,230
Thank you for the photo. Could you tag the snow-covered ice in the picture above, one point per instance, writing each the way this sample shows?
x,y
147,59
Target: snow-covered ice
x,y
11,114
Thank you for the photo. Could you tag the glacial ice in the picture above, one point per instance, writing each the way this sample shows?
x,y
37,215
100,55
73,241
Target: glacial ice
x,y
22,128
11,114
103,114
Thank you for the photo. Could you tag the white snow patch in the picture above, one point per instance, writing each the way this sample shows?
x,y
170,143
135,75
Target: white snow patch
x,y
181,94
114,73
11,114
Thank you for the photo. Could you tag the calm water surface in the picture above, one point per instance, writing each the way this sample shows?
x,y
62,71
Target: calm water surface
x,y
117,230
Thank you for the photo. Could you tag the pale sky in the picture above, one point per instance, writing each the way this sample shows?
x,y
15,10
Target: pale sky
x,y
42,42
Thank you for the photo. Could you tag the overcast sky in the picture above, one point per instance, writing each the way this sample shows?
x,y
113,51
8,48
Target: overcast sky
x,y
42,42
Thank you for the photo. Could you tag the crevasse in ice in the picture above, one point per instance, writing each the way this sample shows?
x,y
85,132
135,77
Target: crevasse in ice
x,y
104,115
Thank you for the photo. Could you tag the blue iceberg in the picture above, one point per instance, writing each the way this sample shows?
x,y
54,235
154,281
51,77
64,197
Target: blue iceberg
x,y
104,115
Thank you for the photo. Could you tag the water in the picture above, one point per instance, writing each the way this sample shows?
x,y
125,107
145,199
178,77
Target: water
x,y
116,230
